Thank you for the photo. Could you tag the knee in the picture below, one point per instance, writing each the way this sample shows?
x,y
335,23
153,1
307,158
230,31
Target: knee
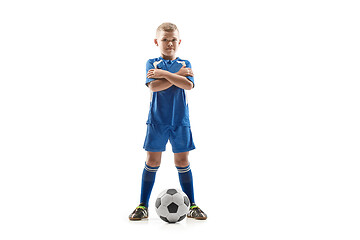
x,y
153,160
181,162
181,159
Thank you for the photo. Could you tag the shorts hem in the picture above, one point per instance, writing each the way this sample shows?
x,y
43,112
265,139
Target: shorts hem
x,y
183,150
154,150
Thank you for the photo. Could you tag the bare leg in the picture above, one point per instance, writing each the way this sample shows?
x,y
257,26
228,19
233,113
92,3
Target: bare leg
x,y
181,159
153,159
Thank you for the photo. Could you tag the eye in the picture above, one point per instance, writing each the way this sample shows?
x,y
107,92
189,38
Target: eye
x,y
174,40
164,40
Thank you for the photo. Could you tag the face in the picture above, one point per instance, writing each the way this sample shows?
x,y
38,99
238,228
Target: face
x,y
168,42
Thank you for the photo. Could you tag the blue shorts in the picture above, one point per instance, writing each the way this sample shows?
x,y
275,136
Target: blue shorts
x,y
157,137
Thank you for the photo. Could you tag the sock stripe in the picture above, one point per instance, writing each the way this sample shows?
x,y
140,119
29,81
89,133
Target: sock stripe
x,y
151,169
183,169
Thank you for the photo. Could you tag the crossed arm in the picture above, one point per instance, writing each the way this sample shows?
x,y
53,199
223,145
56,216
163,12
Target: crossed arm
x,y
165,79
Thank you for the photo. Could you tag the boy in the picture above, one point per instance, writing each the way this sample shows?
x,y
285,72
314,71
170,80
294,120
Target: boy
x,y
168,77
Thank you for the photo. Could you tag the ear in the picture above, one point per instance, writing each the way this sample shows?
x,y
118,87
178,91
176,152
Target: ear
x,y
156,42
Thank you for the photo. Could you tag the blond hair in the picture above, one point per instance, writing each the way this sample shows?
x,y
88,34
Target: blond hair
x,y
167,27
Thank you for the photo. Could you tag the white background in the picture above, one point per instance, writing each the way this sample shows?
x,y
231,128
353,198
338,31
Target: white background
x,y
274,114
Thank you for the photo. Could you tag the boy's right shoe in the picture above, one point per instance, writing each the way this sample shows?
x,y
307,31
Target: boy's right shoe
x,y
139,213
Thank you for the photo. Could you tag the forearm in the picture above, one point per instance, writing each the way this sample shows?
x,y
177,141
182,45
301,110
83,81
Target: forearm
x,y
159,85
179,81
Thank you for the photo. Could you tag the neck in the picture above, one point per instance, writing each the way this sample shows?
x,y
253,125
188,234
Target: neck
x,y
168,57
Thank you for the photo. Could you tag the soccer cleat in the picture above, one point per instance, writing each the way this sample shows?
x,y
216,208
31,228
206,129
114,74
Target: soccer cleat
x,y
139,213
197,213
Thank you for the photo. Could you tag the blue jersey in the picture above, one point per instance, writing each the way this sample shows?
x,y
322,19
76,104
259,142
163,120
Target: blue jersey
x,y
168,107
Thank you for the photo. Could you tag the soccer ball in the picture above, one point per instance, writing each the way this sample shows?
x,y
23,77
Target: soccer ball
x,y
172,205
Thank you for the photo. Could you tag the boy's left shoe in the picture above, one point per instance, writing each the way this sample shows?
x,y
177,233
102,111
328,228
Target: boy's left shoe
x,y
139,213
197,213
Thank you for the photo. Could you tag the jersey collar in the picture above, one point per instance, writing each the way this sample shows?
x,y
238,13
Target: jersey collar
x,y
170,61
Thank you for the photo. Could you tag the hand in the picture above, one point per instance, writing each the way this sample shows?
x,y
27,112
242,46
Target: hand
x,y
156,73
185,72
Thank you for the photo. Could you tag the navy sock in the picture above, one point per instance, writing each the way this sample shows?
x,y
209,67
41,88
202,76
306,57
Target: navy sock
x,y
147,183
186,182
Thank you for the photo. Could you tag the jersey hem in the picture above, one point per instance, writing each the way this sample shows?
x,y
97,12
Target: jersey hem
x,y
173,125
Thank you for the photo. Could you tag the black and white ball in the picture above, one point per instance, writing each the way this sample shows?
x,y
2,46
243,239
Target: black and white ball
x,y
172,205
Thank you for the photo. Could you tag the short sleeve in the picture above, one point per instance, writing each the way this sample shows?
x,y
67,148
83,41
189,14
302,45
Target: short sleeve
x,y
149,65
188,65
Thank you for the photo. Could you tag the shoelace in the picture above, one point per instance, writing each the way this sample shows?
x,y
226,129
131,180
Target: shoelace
x,y
140,208
197,210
